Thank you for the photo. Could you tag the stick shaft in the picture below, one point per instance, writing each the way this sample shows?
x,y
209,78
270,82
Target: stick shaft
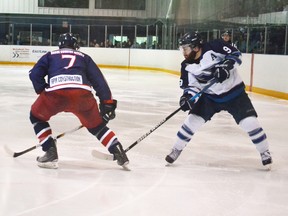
x,y
17,154
169,116
152,130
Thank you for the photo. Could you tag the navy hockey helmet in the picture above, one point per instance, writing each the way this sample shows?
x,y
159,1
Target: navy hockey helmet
x,y
192,39
68,40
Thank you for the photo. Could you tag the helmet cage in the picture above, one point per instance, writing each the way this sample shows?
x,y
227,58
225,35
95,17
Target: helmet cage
x,y
186,49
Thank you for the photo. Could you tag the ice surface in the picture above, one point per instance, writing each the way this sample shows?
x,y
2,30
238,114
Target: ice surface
x,y
219,172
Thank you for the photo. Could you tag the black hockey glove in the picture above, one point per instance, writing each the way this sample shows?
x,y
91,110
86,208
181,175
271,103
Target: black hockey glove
x,y
107,109
185,102
222,70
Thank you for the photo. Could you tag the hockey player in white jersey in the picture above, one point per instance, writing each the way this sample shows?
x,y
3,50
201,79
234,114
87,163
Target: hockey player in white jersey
x,y
204,62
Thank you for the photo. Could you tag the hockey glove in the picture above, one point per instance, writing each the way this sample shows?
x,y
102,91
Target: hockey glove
x,y
185,102
222,69
107,109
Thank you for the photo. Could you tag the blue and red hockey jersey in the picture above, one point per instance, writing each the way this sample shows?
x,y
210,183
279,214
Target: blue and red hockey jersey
x,y
68,68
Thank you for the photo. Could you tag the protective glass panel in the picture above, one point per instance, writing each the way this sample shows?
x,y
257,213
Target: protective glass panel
x,y
64,3
97,36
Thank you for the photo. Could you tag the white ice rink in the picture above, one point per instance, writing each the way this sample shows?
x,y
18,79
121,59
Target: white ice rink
x,y
219,173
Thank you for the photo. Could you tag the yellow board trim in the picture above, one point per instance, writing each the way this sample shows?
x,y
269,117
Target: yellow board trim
x,y
272,93
17,63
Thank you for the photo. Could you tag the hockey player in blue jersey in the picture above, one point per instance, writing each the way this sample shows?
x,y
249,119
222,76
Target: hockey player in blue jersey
x,y
226,36
71,75
204,62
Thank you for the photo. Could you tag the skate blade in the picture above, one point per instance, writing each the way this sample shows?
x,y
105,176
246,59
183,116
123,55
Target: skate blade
x,y
169,164
126,168
268,167
48,165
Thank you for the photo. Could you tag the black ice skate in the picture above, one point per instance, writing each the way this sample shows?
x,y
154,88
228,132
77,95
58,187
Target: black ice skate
x,y
173,155
119,154
50,159
266,158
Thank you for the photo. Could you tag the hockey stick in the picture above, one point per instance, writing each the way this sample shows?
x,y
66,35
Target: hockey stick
x,y
104,156
16,154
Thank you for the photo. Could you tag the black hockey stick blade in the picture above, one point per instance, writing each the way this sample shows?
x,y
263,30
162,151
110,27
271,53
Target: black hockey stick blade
x,y
17,154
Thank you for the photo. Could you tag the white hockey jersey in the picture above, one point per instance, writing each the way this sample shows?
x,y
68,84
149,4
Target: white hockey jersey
x,y
195,76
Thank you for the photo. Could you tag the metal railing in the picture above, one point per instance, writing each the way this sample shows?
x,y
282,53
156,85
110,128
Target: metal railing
x,y
266,39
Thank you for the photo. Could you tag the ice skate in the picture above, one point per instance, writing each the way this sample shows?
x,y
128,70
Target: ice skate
x,y
119,154
266,159
50,159
173,155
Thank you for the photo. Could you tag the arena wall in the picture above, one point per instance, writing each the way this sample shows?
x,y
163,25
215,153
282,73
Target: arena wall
x,y
264,74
